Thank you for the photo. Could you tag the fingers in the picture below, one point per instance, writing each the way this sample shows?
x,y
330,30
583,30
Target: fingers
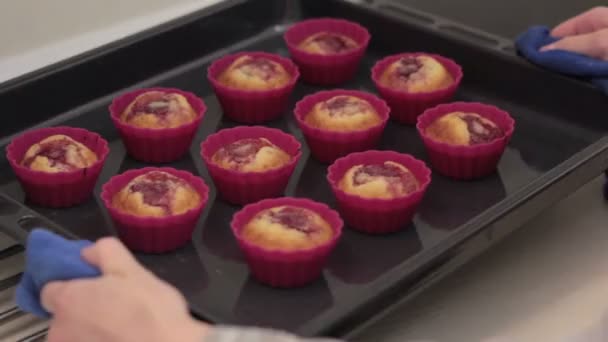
x,y
51,294
591,44
111,257
56,334
588,22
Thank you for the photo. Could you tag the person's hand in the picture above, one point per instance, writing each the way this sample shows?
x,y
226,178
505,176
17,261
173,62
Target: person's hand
x,y
127,303
586,34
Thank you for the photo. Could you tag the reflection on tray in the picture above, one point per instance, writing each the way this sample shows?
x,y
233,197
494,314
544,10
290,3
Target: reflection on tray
x,y
438,208
182,268
261,305
310,186
217,235
362,258
87,215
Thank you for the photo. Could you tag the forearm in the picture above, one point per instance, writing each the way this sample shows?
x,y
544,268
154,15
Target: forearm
x,y
240,334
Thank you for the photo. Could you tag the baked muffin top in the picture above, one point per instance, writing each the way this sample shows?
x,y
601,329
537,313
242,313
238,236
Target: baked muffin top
x,y
385,181
464,129
416,74
328,43
156,194
58,153
158,110
287,228
343,113
251,155
255,73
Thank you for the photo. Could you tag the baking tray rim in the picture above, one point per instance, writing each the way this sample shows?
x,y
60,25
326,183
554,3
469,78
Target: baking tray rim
x,y
415,263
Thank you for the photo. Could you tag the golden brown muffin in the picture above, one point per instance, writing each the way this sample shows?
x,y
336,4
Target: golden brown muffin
x,y
58,153
156,194
386,181
287,228
255,73
463,129
328,43
157,110
251,155
343,113
416,74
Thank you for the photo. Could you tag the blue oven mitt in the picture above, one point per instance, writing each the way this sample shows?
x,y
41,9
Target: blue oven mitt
x,y
564,62
49,257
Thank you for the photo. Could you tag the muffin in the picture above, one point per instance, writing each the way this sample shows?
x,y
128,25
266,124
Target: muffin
x,y
157,125
327,51
250,163
338,122
287,228
464,129
251,155
158,109
416,74
57,167
328,43
378,192
386,180
253,87
286,241
249,72
155,210
343,113
156,194
58,153
413,82
465,140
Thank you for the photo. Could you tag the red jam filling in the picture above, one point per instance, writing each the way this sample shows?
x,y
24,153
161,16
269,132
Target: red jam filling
x,y
343,105
155,189
332,43
294,218
55,151
259,67
156,103
242,151
481,132
393,175
408,66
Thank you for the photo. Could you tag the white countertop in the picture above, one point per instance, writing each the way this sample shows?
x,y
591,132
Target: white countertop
x,y
51,31
546,281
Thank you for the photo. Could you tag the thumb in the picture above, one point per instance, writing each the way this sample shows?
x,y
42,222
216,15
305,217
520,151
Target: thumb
x,y
111,257
590,44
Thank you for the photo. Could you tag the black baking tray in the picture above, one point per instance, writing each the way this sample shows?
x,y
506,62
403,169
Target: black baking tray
x,y
559,144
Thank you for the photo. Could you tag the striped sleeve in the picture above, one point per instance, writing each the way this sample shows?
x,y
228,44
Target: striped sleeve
x,y
240,334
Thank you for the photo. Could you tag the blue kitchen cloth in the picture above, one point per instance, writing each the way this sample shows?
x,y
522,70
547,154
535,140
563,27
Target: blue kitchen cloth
x,y
49,257
568,63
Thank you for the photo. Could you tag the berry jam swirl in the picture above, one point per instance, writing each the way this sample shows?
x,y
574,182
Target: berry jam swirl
x,y
157,188
56,152
154,102
345,106
333,43
242,151
408,66
258,67
396,177
294,218
481,131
